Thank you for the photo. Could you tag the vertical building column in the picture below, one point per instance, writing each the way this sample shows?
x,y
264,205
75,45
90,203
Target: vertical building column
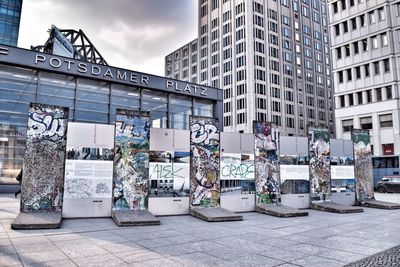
x,y
362,68
337,102
346,100
356,122
384,93
375,137
340,7
364,97
374,99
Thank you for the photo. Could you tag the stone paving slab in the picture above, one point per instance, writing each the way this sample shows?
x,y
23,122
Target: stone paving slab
x,y
280,211
37,220
382,205
134,218
336,208
390,257
319,239
215,214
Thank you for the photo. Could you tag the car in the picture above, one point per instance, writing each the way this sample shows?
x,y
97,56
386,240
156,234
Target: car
x,y
389,184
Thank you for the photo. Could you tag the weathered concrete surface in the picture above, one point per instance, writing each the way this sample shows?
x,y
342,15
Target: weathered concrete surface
x,y
215,214
134,218
382,205
280,211
37,220
390,257
337,208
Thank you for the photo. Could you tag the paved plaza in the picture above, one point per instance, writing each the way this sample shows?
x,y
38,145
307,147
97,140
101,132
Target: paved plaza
x,y
321,239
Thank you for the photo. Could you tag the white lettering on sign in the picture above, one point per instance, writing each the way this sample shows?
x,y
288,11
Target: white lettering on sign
x,y
115,74
189,88
94,70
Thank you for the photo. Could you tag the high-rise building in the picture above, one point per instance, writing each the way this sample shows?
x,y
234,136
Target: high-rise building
x,y
182,64
271,59
365,54
10,16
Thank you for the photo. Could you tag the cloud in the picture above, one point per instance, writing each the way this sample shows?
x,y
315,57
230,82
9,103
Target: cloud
x,y
133,34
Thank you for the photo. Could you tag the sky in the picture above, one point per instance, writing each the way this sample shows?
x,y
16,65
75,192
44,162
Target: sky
x,y
132,34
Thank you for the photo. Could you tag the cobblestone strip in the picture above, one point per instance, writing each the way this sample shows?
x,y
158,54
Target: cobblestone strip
x,y
390,257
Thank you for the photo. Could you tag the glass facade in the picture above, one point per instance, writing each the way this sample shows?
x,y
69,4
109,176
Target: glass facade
x,y
10,15
88,100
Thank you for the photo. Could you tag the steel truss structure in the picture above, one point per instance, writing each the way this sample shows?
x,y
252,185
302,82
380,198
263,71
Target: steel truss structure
x,y
82,46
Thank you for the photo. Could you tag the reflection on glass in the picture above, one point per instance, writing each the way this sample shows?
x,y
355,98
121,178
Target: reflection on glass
x,y
180,108
156,103
93,104
203,108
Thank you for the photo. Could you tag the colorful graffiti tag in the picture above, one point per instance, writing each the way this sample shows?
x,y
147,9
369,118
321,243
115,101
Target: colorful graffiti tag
x,y
43,169
319,152
131,162
204,159
266,163
363,166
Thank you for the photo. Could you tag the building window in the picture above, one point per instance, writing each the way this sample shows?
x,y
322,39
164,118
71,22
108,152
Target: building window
x,y
347,125
386,65
389,92
366,123
366,68
340,76
337,29
374,41
335,7
378,92
355,48
349,76
362,20
358,72
385,120
353,23
365,45
381,14
384,39
345,27
341,99
372,18
376,68
359,96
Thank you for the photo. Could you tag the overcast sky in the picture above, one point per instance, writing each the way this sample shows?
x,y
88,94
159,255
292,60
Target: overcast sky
x,y
132,34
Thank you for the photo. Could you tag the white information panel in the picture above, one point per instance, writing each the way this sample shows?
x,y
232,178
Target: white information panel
x,y
169,172
88,170
294,172
237,182
342,172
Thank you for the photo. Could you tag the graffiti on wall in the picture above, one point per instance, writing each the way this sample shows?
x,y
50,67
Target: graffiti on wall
x,y
319,152
204,159
169,174
363,166
131,162
266,163
237,174
43,171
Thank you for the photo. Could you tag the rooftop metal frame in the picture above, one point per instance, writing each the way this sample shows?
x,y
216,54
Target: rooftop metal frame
x,y
83,47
